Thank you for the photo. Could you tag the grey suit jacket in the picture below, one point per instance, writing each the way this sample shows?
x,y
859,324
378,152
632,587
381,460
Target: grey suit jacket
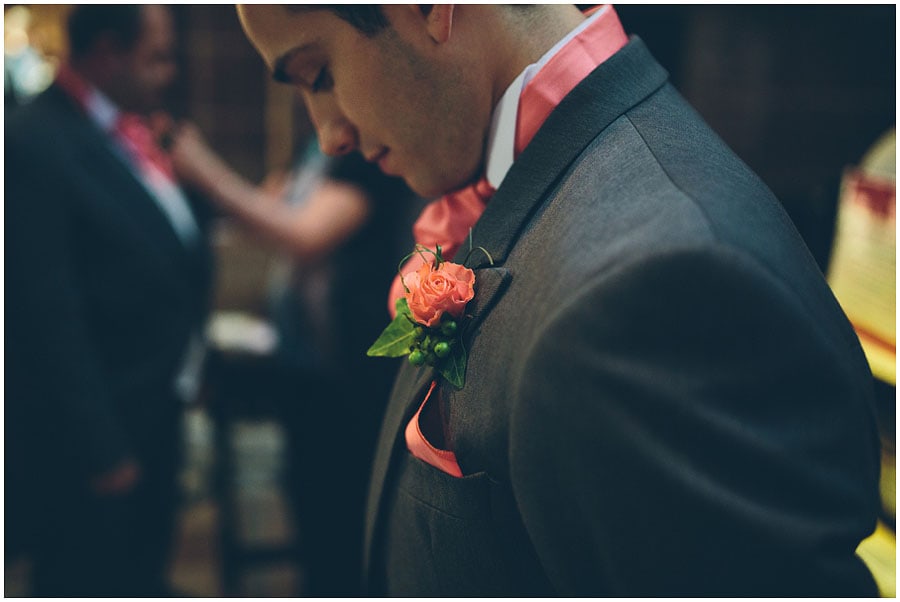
x,y
663,396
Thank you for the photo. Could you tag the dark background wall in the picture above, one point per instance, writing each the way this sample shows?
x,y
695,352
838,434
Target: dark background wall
x,y
799,92
224,84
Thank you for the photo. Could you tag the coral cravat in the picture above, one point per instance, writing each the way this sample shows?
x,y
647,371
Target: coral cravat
x,y
448,220
445,223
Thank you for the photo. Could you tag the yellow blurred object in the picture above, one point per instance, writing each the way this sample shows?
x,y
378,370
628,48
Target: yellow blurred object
x,y
888,483
862,273
878,551
34,45
880,161
15,29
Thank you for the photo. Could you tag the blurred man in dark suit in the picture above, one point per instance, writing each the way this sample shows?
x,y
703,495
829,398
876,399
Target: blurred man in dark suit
x,y
108,276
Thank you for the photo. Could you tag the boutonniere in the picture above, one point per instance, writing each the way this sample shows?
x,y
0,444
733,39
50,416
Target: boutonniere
x,y
427,326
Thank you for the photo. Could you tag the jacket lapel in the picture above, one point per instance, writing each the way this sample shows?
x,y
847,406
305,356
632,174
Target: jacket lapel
x,y
627,78
409,390
617,85
490,284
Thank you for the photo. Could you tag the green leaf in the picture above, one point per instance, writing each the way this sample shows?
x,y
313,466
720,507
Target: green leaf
x,y
402,308
396,339
454,366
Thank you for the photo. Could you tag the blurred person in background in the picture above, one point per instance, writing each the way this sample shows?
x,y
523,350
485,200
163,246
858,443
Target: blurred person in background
x,y
342,224
10,98
108,277
662,396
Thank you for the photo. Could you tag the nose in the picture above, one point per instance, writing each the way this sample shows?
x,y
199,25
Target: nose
x,y
337,136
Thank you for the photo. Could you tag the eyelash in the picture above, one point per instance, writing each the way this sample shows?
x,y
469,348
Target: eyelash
x,y
322,82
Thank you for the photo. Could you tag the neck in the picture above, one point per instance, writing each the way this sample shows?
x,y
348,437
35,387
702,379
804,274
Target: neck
x,y
528,33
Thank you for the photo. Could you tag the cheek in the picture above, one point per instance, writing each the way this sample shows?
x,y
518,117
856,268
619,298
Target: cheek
x,y
165,72
430,138
455,137
425,116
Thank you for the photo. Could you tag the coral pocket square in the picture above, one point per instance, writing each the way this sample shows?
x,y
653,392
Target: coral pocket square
x,y
419,446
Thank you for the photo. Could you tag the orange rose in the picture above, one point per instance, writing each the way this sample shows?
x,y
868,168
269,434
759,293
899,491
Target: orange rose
x,y
433,291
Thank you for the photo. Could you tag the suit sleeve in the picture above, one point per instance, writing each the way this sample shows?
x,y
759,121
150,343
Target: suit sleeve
x,y
56,382
684,427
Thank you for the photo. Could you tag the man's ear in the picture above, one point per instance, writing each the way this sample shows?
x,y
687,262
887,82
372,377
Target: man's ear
x,y
439,21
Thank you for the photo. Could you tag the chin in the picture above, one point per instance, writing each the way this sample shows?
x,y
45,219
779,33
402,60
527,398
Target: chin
x,y
426,192
435,187
424,188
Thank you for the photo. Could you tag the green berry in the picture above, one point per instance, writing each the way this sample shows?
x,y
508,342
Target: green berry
x,y
449,328
442,349
419,333
416,358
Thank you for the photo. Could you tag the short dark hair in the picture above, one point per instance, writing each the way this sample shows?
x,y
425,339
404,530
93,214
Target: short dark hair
x,y
367,18
87,22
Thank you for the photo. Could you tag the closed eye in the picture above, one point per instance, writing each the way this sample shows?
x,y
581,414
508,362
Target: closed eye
x,y
323,81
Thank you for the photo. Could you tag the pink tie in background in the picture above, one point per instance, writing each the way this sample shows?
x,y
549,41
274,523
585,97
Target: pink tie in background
x,y
135,133
131,130
447,221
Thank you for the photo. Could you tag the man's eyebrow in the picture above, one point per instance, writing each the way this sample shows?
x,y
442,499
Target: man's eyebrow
x,y
279,70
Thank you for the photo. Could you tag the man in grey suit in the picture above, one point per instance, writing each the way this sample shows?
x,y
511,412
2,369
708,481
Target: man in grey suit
x,y
662,395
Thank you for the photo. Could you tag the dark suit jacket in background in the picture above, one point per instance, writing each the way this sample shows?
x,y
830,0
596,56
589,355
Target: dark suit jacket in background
x,y
663,397
101,298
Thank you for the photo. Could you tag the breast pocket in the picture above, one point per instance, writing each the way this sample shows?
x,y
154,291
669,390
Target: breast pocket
x,y
441,540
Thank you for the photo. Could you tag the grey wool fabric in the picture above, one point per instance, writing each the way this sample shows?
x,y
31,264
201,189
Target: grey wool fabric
x,y
663,398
